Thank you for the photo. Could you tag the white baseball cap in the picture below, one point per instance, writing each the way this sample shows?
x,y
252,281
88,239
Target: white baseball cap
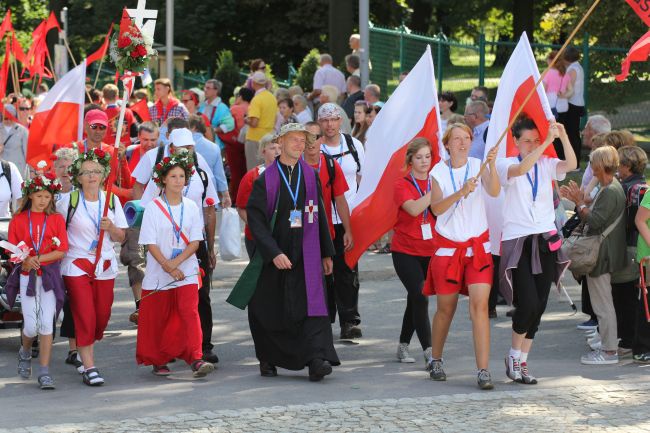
x,y
181,137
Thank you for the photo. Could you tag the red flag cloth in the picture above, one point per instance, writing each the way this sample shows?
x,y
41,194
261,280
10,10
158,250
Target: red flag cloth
x,y
639,52
52,23
6,26
141,109
17,50
642,9
128,26
101,52
4,70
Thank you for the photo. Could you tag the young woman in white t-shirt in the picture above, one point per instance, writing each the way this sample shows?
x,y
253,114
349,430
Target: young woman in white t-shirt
x,y
462,262
89,283
531,259
169,326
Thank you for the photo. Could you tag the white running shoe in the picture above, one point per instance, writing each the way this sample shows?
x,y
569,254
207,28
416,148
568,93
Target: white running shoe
x,y
403,354
599,357
513,369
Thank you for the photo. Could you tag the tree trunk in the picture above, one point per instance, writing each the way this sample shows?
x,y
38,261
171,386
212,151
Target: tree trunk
x,y
341,26
421,16
523,18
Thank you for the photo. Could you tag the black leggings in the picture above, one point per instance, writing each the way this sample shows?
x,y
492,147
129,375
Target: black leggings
x,y
412,271
531,291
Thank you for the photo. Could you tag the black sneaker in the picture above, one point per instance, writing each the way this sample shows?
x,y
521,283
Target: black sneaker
x,y
210,356
350,331
642,358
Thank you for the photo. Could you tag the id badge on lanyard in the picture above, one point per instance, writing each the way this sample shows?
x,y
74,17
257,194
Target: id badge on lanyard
x,y
425,227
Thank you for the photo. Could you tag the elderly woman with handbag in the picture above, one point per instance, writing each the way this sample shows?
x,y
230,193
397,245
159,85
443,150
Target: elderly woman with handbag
x,y
605,220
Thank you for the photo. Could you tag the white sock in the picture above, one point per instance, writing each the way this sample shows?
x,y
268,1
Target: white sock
x,y
516,354
524,357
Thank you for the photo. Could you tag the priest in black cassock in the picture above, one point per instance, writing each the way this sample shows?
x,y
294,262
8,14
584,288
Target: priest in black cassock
x,y
287,312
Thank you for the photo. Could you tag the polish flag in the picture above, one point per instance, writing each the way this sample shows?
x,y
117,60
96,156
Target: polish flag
x,y
411,111
516,83
59,118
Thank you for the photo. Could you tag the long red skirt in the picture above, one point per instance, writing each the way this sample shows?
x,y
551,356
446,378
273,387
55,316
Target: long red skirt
x,y
169,326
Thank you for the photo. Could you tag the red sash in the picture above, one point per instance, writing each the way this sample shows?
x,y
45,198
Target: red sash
x,y
169,217
480,259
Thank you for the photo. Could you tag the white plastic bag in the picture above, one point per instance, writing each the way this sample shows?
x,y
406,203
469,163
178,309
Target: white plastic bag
x,y
229,235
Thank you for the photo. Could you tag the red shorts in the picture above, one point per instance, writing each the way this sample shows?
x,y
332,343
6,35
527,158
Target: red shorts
x,y
437,283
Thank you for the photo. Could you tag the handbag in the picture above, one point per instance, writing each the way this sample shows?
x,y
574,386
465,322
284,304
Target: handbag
x,y
583,249
230,235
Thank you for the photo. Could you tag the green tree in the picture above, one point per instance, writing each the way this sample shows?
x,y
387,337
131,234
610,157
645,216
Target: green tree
x,y
227,73
307,69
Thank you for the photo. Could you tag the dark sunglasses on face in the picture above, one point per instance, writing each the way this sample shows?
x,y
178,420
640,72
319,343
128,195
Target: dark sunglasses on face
x,y
96,126
24,108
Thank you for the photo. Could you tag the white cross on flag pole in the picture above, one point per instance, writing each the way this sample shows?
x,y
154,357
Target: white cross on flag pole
x,y
140,14
310,209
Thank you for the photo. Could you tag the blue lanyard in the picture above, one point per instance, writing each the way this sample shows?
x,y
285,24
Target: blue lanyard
x,y
294,195
533,185
326,150
99,210
177,233
453,181
37,246
415,182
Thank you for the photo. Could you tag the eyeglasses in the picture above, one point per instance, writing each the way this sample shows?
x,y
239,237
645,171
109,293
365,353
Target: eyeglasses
x,y
24,108
470,114
89,173
97,126
208,88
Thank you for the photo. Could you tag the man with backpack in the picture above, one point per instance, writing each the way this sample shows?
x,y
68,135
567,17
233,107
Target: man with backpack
x,y
202,191
348,153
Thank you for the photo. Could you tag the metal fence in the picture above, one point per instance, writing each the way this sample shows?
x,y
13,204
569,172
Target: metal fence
x,y
460,66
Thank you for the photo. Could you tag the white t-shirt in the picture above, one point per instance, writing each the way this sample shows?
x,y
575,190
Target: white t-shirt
x,y
144,169
522,216
82,231
467,219
157,230
193,191
9,192
349,167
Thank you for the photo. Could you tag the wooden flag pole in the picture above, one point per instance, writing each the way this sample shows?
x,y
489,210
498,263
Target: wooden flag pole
x,y
541,77
99,70
49,60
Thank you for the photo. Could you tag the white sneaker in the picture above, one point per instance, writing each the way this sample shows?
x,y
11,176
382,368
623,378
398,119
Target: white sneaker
x,y
427,359
403,354
599,357
513,369
591,333
595,343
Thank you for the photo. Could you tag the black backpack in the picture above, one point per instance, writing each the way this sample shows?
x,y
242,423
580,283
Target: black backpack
x,y
202,174
352,149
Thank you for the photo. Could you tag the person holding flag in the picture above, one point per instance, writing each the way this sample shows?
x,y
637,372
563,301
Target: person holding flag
x,y
531,259
462,262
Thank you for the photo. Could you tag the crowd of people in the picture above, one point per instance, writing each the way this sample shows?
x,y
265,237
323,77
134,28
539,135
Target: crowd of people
x,y
293,164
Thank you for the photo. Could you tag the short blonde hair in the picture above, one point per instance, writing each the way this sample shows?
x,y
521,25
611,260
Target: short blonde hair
x,y
455,118
618,139
413,147
331,92
606,158
451,126
266,140
634,158
598,140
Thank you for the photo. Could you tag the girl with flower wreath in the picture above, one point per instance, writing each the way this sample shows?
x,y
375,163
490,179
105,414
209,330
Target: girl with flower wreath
x,y
169,326
90,284
40,234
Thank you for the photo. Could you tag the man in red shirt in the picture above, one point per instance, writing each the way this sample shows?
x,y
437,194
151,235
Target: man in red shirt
x,y
112,110
269,149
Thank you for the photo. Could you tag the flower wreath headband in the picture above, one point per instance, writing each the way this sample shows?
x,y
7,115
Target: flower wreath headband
x,y
41,182
97,155
183,160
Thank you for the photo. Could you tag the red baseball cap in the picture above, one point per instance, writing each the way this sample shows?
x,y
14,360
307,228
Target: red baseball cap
x,y
96,117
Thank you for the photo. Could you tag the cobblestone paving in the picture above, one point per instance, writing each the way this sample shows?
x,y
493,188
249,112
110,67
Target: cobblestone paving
x,y
606,408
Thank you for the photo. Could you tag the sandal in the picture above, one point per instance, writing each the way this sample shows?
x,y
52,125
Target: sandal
x,y
201,368
161,370
46,382
24,366
74,359
91,377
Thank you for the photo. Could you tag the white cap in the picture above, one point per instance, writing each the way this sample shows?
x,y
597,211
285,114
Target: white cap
x,y
181,137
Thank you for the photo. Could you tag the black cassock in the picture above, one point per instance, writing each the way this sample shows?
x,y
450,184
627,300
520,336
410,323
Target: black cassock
x,y
283,334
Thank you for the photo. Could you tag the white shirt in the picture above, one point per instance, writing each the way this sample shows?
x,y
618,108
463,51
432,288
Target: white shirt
x,y
304,116
144,169
467,219
157,230
194,191
578,97
328,74
82,231
522,216
9,192
349,167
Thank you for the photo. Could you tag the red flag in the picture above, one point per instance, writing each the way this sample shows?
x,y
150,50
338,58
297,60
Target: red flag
x,y
6,26
52,23
127,25
639,52
17,50
141,109
411,111
101,52
4,70
642,9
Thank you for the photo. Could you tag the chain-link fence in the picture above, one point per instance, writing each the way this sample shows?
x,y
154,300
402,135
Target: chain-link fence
x,y
461,66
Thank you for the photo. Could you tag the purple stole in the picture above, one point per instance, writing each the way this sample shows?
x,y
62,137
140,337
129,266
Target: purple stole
x,y
316,306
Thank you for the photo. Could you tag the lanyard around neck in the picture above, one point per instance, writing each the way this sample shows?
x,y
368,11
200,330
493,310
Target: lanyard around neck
x,y
293,194
99,209
533,185
176,228
422,193
37,245
453,181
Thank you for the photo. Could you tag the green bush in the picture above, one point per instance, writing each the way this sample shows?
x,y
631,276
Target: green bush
x,y
228,73
307,69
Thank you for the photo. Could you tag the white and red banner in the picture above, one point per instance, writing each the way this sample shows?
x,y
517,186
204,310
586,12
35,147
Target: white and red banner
x,y
411,111
516,83
642,9
59,118
639,52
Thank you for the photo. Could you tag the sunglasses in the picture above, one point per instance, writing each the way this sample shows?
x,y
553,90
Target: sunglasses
x,y
96,126
24,108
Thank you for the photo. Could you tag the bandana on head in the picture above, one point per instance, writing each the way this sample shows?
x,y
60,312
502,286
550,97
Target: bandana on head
x,y
329,111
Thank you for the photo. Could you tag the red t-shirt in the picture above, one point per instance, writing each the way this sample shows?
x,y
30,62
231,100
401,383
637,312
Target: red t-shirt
x,y
19,231
244,192
407,237
113,113
338,187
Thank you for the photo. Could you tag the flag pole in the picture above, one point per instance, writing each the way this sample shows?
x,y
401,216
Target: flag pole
x,y
541,77
49,60
99,70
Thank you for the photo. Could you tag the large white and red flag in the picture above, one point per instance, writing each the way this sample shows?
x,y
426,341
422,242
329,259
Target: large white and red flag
x,y
516,83
411,111
59,118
